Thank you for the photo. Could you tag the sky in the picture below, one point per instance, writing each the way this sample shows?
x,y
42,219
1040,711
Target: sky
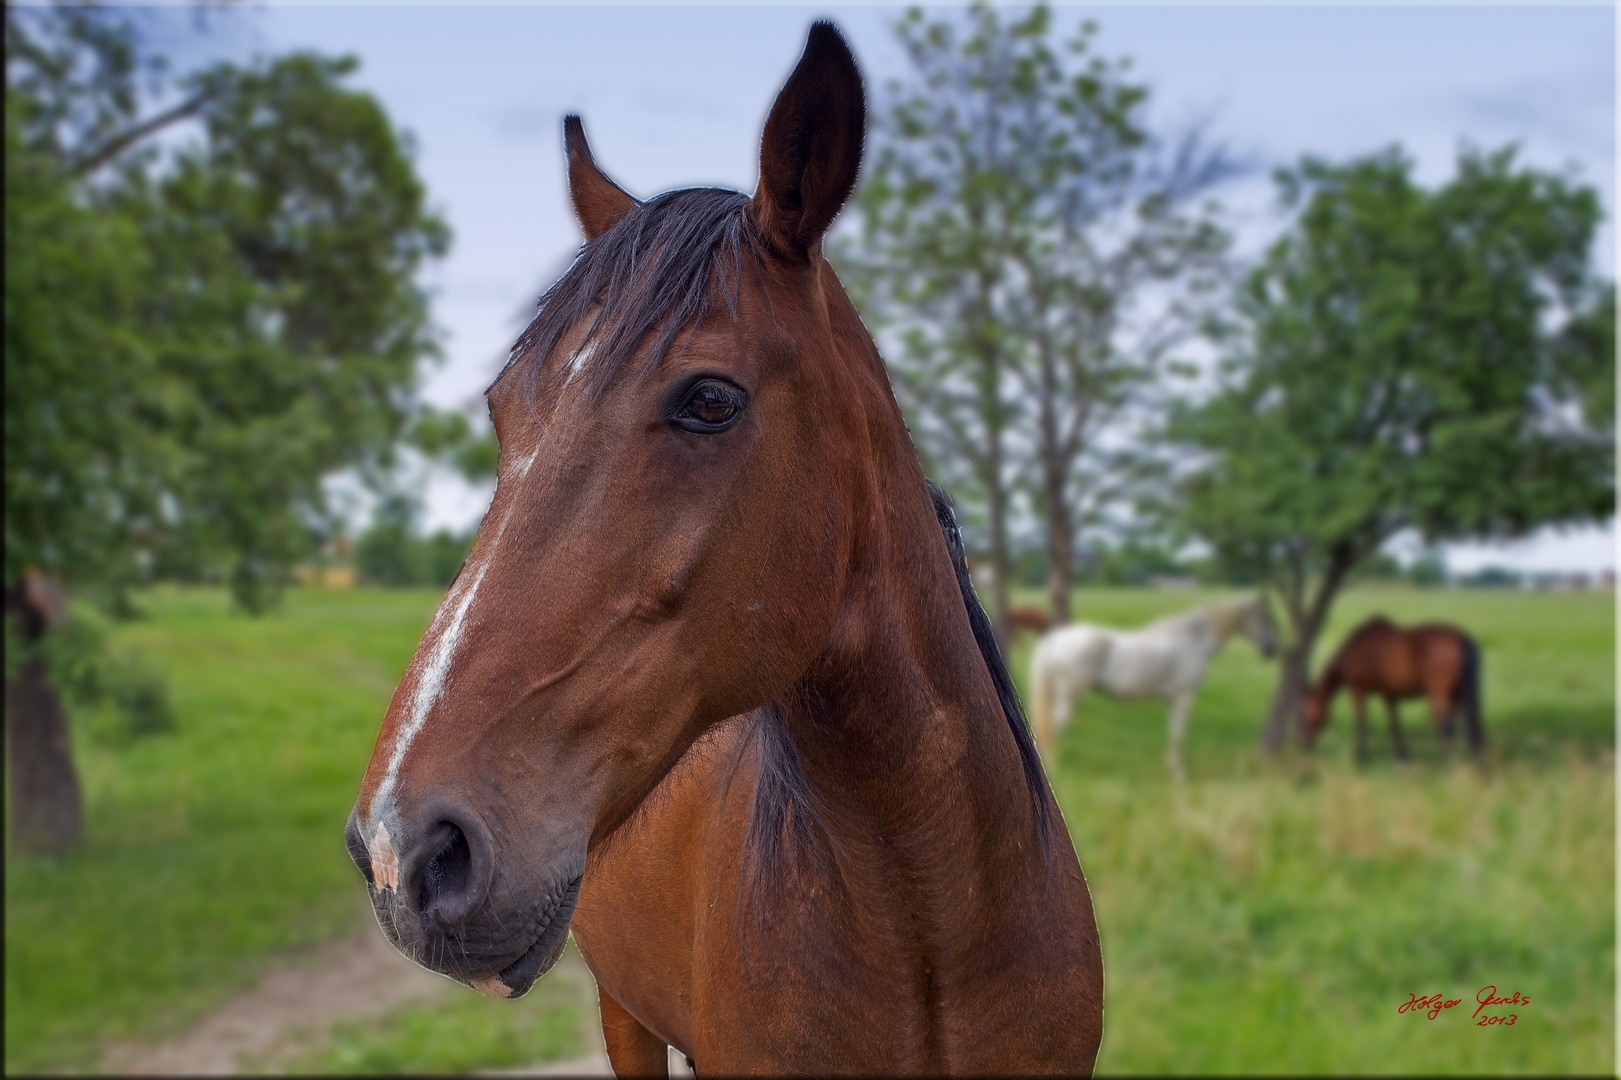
x,y
675,95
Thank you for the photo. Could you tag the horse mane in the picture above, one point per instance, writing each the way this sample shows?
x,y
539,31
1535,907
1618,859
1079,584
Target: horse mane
x,y
1370,624
1332,675
1373,624
1176,618
1035,778
655,268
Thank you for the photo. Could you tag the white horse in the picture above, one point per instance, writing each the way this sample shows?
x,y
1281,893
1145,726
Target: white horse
x,y
1165,659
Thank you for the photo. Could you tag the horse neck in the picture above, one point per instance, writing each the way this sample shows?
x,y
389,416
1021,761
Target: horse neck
x,y
899,729
910,761
1227,619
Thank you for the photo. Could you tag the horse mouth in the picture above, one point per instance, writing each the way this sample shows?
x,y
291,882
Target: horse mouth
x,y
515,980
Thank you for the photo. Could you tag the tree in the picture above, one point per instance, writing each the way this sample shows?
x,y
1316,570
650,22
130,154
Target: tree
x,y
194,339
1403,358
1014,217
393,550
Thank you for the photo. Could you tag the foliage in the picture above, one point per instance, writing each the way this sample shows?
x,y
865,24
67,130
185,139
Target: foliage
x,y
1493,577
1428,570
1014,214
139,696
198,331
1380,566
121,691
195,339
1132,562
392,551
1403,358
84,472
449,437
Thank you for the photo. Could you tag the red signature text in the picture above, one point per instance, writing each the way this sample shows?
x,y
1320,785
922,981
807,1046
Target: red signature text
x,y
1431,1005
1487,998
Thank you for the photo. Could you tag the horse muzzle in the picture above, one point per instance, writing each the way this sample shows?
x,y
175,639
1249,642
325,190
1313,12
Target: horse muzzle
x,y
435,891
516,978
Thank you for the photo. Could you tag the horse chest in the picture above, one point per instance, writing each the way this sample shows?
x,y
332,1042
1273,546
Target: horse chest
x,y
754,974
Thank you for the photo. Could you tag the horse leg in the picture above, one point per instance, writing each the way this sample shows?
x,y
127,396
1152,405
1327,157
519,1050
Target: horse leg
x,y
1064,702
1047,724
1049,696
1396,735
1181,705
632,1049
1443,712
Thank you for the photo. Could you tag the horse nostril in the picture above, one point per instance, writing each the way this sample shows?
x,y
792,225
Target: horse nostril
x,y
447,876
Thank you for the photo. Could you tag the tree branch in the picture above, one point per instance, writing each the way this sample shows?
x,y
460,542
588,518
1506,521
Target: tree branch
x,y
127,138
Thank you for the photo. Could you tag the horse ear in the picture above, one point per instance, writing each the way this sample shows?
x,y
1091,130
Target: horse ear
x,y
811,149
599,203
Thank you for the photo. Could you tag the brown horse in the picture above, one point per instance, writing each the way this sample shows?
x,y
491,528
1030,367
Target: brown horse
x,y
1029,617
1437,662
713,689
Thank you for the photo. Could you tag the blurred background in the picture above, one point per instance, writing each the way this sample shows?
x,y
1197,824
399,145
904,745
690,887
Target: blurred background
x,y
1182,303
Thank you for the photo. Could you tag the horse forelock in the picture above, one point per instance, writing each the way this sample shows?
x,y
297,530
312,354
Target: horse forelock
x,y
656,271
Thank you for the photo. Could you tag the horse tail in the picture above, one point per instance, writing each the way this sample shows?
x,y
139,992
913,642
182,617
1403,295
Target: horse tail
x,y
1467,693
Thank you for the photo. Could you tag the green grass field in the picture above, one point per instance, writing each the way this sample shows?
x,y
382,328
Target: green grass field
x,y
217,850
1270,916
1273,918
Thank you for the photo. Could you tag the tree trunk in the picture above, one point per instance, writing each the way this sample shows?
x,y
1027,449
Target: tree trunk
x,y
1295,675
990,406
1060,545
1054,470
1283,718
996,505
47,807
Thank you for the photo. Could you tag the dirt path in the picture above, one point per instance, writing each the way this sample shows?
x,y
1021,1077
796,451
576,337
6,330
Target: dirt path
x,y
357,978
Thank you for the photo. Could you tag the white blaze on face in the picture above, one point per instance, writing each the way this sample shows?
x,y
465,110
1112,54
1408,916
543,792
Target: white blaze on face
x,y
581,357
445,632
385,865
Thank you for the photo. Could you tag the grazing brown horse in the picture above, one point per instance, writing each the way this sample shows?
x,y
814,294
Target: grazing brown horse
x,y
1029,617
1437,662
713,689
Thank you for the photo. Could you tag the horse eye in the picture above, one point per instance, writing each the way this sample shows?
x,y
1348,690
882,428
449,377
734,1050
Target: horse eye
x,y
709,406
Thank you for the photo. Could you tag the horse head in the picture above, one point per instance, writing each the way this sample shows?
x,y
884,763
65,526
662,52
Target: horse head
x,y
689,432
1314,713
1259,627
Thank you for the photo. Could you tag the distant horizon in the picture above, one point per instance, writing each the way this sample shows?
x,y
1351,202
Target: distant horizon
x,y
675,96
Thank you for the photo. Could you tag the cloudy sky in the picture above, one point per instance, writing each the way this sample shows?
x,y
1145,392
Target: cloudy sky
x,y
674,96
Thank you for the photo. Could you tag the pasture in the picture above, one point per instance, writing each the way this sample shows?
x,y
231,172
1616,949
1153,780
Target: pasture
x,y
1266,917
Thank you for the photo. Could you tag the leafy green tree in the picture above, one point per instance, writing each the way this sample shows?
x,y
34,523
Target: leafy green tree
x,y
447,437
393,551
1404,358
195,339
1014,215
